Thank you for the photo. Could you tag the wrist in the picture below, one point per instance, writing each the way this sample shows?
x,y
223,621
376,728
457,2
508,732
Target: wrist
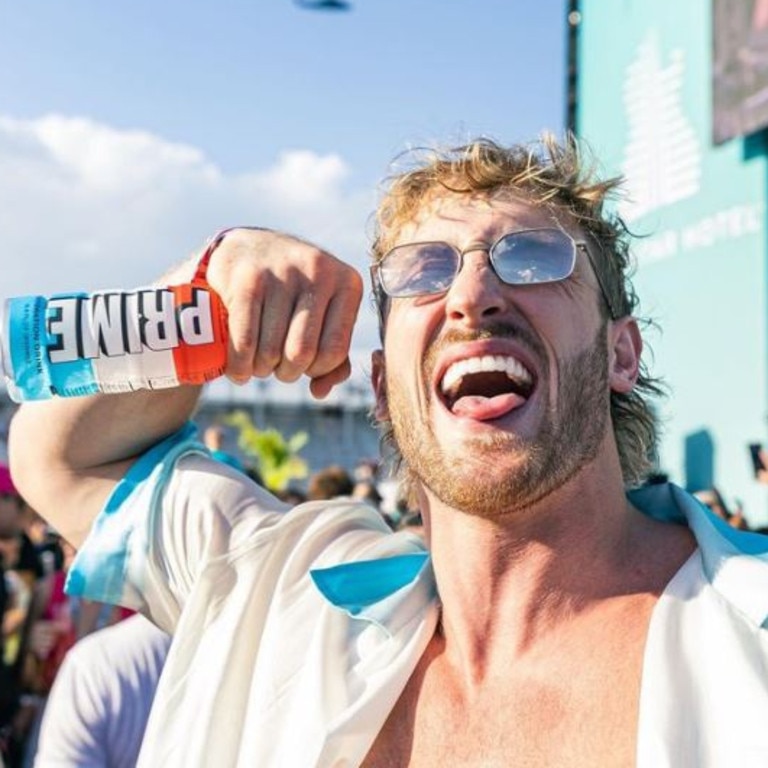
x,y
214,242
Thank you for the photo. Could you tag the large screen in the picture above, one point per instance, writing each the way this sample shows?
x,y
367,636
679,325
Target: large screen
x,y
739,67
644,106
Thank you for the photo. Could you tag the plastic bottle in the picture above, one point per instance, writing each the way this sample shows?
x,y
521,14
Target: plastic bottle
x,y
116,341
113,341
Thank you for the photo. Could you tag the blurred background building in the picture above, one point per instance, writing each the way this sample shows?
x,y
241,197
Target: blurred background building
x,y
674,96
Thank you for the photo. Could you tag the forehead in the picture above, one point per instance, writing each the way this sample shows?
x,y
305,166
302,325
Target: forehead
x,y
461,219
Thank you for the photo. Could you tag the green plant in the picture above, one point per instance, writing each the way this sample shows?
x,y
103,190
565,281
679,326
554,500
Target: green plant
x,y
277,458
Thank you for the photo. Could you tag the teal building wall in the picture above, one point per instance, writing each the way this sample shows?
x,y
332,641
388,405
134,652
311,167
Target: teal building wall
x,y
644,105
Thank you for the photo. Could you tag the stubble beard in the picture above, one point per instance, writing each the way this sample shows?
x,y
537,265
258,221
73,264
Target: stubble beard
x,y
504,473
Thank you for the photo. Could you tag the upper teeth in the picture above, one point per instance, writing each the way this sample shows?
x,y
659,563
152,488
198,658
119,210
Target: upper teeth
x,y
487,363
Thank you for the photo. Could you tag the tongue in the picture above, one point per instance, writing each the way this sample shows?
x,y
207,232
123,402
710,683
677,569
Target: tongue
x,y
486,408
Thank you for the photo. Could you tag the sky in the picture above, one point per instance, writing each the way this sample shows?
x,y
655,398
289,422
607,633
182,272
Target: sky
x,y
131,130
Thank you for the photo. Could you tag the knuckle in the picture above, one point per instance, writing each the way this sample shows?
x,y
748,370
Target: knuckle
x,y
287,373
336,343
328,359
320,264
300,354
269,356
262,370
239,369
357,286
243,338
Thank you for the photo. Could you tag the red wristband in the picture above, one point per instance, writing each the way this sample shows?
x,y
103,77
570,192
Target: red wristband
x,y
213,244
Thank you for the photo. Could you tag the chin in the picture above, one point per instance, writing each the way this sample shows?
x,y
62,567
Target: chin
x,y
486,483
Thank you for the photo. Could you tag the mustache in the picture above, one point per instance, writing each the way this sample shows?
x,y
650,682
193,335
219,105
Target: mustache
x,y
495,330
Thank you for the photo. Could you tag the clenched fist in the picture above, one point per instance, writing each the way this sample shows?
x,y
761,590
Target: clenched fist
x,y
292,308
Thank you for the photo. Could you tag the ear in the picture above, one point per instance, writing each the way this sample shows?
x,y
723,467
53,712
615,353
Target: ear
x,y
379,381
626,348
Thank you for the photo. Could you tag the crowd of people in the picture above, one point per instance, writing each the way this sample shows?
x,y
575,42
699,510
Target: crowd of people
x,y
38,626
40,622
713,498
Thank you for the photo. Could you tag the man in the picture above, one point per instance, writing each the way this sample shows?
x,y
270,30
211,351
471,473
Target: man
x,y
550,621
329,483
213,438
99,705
26,559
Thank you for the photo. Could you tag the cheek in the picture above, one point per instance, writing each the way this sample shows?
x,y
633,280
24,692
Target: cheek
x,y
418,320
565,327
413,325
406,387
403,342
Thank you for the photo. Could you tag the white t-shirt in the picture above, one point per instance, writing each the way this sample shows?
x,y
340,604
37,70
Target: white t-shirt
x,y
295,632
99,704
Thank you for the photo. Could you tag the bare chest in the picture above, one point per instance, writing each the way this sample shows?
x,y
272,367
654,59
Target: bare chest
x,y
579,709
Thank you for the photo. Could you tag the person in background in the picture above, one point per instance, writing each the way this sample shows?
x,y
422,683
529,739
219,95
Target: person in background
x,y
714,500
99,705
213,438
329,483
292,495
22,552
365,490
22,574
46,541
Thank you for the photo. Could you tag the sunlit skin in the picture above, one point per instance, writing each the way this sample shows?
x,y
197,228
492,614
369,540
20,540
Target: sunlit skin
x,y
558,568
582,526
556,330
557,323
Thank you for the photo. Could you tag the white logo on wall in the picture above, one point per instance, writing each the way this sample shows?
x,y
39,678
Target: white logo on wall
x,y
662,161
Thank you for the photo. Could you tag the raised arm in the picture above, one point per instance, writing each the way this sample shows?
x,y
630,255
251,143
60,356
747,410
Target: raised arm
x,y
291,311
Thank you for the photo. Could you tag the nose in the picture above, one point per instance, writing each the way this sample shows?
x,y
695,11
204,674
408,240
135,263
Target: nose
x,y
476,292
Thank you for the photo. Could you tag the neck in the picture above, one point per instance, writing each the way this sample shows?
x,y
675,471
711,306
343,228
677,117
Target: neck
x,y
507,584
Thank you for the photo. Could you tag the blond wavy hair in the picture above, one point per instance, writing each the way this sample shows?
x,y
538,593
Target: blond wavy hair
x,y
549,173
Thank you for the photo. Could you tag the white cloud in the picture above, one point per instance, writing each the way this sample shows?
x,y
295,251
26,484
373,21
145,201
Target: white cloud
x,y
97,157
300,179
85,206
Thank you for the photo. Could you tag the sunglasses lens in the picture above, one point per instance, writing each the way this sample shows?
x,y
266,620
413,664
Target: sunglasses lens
x,y
417,269
536,256
519,258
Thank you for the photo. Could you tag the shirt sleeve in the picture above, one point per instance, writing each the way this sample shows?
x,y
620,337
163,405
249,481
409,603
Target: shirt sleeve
x,y
175,511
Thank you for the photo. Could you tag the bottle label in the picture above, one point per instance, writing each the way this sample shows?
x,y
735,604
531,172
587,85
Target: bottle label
x,y
113,341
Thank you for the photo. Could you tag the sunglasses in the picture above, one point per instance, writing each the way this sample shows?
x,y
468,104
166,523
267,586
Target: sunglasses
x,y
524,257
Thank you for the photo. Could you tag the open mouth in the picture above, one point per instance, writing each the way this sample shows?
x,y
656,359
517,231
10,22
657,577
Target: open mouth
x,y
486,387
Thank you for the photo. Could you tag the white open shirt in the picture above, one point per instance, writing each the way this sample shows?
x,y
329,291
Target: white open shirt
x,y
296,631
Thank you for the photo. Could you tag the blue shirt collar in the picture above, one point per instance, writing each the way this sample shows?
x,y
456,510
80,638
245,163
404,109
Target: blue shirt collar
x,y
735,562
